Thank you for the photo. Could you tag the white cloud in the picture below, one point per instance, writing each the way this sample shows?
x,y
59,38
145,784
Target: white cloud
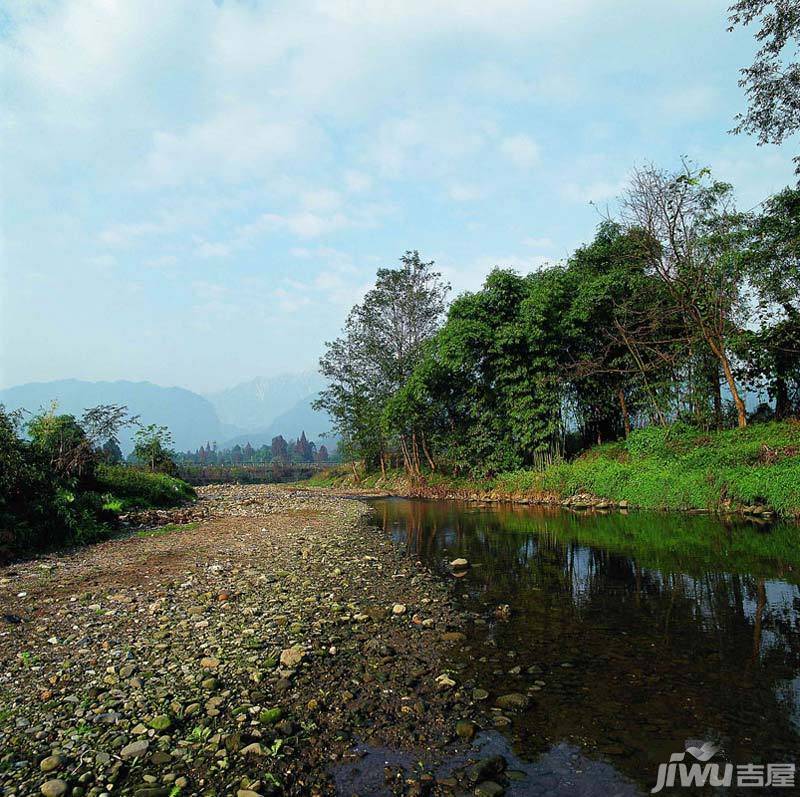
x,y
463,192
161,261
595,190
208,249
521,150
357,182
538,243
239,143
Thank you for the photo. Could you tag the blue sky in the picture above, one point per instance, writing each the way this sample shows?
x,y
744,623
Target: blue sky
x,y
194,192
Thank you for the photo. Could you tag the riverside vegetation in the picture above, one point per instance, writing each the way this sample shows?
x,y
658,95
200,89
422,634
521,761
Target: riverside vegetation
x,y
755,471
658,365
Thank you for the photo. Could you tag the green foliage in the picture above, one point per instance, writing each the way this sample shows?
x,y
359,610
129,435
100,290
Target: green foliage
x,y
153,449
141,489
681,468
168,529
54,488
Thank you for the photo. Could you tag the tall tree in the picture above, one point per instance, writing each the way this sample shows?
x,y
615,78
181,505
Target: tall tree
x,y
696,249
377,351
773,260
772,81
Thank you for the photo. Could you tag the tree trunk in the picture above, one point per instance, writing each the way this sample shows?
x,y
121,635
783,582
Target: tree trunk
x,y
741,410
782,409
427,453
623,406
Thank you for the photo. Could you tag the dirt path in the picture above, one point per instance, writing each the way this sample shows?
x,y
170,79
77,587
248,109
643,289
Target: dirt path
x,y
247,655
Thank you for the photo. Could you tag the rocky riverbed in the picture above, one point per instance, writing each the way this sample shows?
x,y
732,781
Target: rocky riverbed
x,y
259,650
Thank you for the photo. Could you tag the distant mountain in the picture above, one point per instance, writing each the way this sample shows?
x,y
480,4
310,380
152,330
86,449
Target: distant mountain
x,y
300,418
190,417
258,403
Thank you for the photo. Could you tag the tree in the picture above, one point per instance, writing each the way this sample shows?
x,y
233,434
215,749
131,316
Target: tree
x,y
377,351
322,454
773,269
696,248
280,449
772,81
153,448
112,453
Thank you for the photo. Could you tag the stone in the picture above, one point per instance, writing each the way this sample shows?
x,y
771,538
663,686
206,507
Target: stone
x,y
514,701
209,663
489,789
465,730
54,788
247,793
134,749
444,681
163,722
51,763
487,768
479,694
459,564
291,657
252,749
398,609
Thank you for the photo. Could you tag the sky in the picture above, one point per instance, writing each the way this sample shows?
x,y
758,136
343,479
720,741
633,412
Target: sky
x,y
195,192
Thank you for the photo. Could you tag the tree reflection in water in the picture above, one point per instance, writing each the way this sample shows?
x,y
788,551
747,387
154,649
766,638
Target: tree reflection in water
x,y
647,629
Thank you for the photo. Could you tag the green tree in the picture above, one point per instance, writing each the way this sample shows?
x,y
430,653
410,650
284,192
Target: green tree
x,y
153,448
696,248
382,340
773,269
772,81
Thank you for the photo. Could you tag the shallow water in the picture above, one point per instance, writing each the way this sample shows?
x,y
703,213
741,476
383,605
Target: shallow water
x,y
644,631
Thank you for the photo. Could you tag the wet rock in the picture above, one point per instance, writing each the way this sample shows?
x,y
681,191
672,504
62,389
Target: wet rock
x,y
487,768
465,730
134,749
514,701
54,788
489,789
51,763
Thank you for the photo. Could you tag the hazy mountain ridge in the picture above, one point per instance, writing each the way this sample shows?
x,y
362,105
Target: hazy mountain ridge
x,y
191,418
257,403
300,418
277,406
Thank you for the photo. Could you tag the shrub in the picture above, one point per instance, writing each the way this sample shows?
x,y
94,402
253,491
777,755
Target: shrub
x,y
128,487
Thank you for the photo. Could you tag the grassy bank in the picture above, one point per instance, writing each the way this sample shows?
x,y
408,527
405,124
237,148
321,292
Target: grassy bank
x,y
127,488
678,468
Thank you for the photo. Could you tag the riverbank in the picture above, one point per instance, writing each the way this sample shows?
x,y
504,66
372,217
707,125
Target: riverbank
x,y
246,654
753,471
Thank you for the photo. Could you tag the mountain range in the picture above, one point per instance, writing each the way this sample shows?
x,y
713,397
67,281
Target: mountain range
x,y
254,411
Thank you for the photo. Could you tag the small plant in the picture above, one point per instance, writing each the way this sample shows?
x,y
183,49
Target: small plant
x,y
199,734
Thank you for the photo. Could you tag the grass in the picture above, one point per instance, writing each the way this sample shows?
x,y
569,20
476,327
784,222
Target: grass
x,y
676,468
125,488
170,527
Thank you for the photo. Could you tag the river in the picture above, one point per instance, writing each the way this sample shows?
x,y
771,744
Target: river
x,y
633,634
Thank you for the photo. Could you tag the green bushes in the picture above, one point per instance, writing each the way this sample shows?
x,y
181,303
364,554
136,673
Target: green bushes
x,y
129,488
676,468
55,490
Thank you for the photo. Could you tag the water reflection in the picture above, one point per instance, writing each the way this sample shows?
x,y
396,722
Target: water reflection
x,y
646,630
